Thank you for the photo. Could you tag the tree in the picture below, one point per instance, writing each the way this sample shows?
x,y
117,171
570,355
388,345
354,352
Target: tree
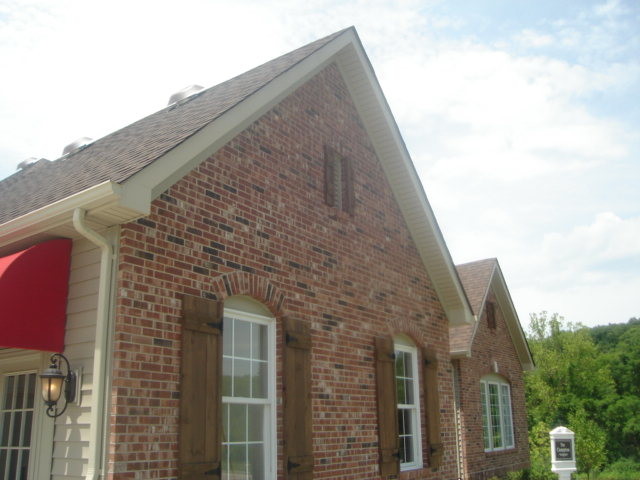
x,y
572,385
591,454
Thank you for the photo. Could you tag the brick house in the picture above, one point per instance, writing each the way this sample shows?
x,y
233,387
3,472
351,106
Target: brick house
x,y
489,358
250,283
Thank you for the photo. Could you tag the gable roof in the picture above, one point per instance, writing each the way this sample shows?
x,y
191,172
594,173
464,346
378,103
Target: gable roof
x,y
115,178
478,279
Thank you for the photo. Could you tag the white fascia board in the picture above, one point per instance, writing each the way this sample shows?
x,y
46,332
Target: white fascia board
x,y
97,200
176,163
511,319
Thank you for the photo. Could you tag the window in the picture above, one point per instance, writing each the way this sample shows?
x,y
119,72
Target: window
x,y
497,420
248,396
408,403
26,434
16,420
339,190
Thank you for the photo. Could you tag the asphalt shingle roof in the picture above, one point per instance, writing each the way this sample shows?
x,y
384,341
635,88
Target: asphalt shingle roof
x,y
121,154
475,278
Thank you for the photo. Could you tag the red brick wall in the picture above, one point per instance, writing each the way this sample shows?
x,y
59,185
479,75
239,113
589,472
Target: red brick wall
x,y
252,220
491,345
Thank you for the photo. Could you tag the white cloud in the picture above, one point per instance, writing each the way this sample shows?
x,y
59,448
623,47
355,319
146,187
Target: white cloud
x,y
531,38
508,118
608,238
611,301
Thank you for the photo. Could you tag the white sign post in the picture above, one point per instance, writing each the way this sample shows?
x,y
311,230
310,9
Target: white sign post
x,y
563,452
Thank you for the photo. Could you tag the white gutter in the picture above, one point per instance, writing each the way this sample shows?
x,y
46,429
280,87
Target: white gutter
x,y
97,429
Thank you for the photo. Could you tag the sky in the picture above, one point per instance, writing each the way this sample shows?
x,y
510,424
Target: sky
x,y
521,117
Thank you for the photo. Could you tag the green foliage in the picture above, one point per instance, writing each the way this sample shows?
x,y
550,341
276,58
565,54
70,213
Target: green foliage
x,y
590,442
571,373
516,475
587,380
623,469
540,452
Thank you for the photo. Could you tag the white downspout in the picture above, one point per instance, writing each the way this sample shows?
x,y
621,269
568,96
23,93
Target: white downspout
x,y
97,426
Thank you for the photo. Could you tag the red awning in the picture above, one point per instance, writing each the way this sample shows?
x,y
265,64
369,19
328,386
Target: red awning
x,y
33,296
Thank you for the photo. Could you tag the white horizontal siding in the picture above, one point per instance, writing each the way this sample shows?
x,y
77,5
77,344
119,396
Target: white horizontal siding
x,y
71,436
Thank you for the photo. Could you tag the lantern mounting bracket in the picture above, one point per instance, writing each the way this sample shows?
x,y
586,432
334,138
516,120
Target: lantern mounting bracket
x,y
54,383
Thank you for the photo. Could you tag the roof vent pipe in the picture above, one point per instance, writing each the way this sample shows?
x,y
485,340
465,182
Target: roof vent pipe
x,y
184,93
76,145
27,163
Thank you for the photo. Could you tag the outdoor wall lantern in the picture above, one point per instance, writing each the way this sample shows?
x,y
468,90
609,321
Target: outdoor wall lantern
x,y
54,382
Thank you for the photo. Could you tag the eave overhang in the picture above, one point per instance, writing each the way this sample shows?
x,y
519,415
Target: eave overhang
x,y
107,204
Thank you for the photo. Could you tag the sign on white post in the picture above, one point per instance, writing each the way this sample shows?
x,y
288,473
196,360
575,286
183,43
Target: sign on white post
x,y
563,452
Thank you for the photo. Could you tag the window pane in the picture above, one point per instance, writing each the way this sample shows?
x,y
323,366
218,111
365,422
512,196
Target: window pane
x,y
20,390
259,379
227,377
408,390
408,449
24,464
241,339
6,428
8,396
13,463
31,390
400,364
408,365
225,422
401,424
227,336
259,342
17,424
507,423
400,391
26,437
256,462
237,423
237,466
256,423
241,378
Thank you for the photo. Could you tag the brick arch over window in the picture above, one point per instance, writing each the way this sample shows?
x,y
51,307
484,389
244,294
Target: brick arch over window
x,y
243,283
402,326
489,371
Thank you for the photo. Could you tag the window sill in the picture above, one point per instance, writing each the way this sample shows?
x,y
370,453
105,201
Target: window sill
x,y
498,452
414,473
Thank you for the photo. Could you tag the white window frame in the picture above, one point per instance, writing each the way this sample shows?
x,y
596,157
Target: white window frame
x,y
15,361
402,344
270,432
505,414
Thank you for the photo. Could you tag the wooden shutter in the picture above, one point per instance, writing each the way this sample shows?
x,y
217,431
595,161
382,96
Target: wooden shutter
x,y
432,407
200,390
387,407
329,177
348,195
298,448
